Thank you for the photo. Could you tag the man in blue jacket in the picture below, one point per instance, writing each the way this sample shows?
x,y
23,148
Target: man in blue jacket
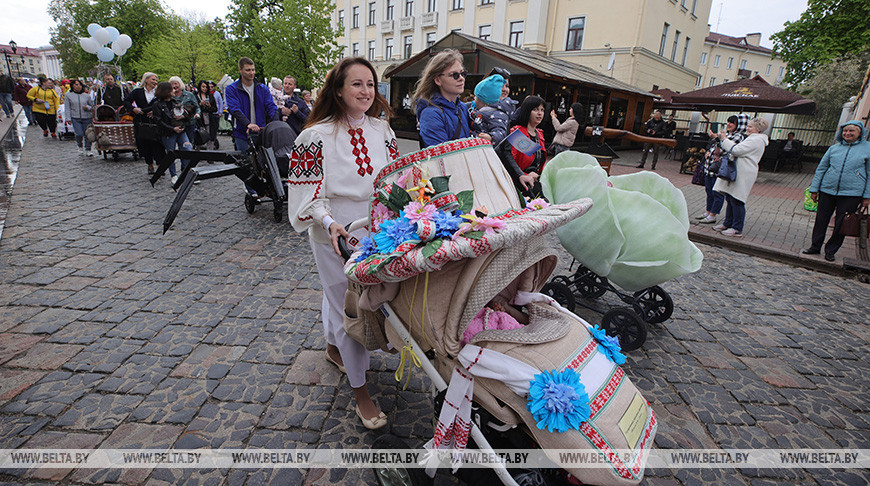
x,y
250,104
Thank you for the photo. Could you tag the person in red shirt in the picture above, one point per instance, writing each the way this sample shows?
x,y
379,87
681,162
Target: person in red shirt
x,y
526,169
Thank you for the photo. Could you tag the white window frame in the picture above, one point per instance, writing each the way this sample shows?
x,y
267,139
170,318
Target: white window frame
x,y
716,60
676,44
408,46
703,58
389,9
516,40
354,49
713,81
699,81
743,63
409,8
767,71
664,44
339,22
686,51
457,4
432,5
568,46
480,31
388,48
430,39
373,13
372,50
355,17
730,63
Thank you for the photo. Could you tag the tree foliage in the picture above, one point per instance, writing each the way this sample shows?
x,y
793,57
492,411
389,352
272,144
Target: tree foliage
x,y
827,30
190,51
835,83
142,20
284,37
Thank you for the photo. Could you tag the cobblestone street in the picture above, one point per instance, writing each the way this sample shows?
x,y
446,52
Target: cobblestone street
x,y
113,335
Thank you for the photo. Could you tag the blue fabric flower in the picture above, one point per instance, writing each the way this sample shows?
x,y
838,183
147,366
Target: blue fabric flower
x,y
558,401
446,224
608,345
395,232
368,248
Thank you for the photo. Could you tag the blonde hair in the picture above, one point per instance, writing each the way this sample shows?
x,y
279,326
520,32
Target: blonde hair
x,y
148,75
176,78
426,87
760,124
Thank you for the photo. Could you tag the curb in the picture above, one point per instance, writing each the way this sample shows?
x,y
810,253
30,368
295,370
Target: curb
x,y
755,249
16,113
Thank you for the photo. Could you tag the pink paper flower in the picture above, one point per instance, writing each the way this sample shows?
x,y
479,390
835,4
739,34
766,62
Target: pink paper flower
x,y
380,213
416,211
486,224
539,203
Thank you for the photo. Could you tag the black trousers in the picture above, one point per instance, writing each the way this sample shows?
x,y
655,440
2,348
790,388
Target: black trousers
x,y
828,204
46,121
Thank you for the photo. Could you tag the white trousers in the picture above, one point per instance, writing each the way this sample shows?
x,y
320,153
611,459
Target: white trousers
x,y
353,354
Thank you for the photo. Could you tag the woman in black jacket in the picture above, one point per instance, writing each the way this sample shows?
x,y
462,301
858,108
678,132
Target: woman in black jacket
x,y
208,106
139,103
173,117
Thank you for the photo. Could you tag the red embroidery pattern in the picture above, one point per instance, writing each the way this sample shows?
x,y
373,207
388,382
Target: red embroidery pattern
x,y
436,151
584,353
602,445
306,163
393,149
607,393
363,161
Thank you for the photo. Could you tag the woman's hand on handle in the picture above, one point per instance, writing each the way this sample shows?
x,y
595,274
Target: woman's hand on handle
x,y
528,180
815,197
336,230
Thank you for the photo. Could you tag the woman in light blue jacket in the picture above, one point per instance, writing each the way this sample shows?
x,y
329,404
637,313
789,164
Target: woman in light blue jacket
x,y
841,184
77,106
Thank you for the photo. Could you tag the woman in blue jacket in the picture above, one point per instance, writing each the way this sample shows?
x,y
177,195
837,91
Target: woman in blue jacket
x,y
841,184
440,114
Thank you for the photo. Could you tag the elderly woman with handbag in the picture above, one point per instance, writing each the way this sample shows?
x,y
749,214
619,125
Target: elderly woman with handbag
x,y
746,155
841,184
736,128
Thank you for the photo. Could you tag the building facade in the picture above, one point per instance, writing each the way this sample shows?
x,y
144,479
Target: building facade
x,y
50,61
725,58
645,43
24,61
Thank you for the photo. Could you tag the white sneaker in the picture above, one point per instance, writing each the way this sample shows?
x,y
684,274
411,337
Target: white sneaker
x,y
81,150
701,216
732,232
90,152
720,227
173,180
708,220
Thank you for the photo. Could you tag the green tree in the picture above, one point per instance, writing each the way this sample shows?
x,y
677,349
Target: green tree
x,y
835,83
193,52
285,37
142,20
826,30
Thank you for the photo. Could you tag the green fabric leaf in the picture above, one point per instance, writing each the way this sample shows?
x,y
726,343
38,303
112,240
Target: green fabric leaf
x,y
466,201
399,198
473,235
432,247
440,184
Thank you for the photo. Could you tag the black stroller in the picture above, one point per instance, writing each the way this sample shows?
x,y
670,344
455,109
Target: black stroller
x,y
263,168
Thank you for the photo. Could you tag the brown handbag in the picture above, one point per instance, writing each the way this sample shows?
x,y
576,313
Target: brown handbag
x,y
853,222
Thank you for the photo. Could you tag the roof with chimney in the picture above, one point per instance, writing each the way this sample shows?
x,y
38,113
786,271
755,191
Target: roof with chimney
x,y
19,51
738,42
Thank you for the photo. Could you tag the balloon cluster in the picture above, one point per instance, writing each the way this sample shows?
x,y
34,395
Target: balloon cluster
x,y
100,36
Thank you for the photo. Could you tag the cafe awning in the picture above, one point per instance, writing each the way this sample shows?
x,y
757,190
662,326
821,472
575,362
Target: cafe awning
x,y
750,94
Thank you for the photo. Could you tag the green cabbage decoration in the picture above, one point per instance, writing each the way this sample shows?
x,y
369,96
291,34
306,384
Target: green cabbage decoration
x,y
636,233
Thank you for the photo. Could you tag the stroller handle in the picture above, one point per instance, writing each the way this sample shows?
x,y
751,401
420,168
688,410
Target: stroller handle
x,y
345,249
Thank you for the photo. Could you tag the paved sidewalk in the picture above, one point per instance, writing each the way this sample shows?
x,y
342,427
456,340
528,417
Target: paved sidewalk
x,y
113,335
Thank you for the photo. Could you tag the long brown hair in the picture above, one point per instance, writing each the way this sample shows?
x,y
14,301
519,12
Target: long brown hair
x,y
329,104
426,87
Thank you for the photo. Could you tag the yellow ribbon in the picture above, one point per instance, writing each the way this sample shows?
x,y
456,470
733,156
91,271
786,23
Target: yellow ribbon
x,y
407,352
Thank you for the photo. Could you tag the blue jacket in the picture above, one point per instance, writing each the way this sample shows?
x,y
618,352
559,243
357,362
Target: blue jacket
x,y
495,119
438,120
239,106
845,167
297,120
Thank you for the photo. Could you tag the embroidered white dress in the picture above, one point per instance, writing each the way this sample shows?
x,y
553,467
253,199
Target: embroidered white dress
x,y
332,173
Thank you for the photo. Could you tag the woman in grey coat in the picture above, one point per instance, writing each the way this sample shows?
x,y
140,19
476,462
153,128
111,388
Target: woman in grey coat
x,y
77,106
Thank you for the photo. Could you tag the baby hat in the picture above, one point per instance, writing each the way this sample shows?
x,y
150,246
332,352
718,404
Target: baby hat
x,y
489,90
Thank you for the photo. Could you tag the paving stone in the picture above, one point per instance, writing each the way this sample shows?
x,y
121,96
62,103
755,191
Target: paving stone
x,y
850,439
98,412
45,276
11,316
777,373
227,294
746,387
72,283
13,382
823,410
197,284
713,355
224,425
45,356
13,344
205,357
145,290
294,321
49,439
140,325
678,429
807,363
104,356
680,368
172,303
304,298
174,401
713,404
113,311
247,382
775,414
204,314
311,368
273,347
851,394
139,375
130,436
798,436
80,333
15,430
175,340
53,393
741,344
235,332
49,321
299,407
256,307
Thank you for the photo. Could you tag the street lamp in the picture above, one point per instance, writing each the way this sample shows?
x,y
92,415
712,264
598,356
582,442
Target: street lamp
x,y
14,47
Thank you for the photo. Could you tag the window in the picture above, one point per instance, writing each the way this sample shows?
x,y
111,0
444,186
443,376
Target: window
x,y
409,46
743,64
674,49
698,81
683,3
516,35
372,16
703,58
371,50
355,18
484,31
388,49
724,80
430,39
355,49
664,39
576,26
486,2
694,4
730,63
341,20
685,51
409,8
767,71
716,60
388,13
712,81
781,73
432,6
457,5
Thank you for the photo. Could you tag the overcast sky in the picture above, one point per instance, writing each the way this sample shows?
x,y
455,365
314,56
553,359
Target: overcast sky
x,y
28,22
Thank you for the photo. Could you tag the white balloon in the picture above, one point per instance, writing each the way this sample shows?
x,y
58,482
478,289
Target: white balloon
x,y
93,28
124,41
113,33
105,54
117,49
89,45
102,37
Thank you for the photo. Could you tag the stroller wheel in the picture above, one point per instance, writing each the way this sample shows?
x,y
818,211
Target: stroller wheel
x,y
250,203
590,285
623,324
653,304
394,475
561,293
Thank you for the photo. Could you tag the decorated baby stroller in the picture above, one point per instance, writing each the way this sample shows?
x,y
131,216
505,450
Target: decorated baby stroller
x,y
439,292
262,168
636,236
